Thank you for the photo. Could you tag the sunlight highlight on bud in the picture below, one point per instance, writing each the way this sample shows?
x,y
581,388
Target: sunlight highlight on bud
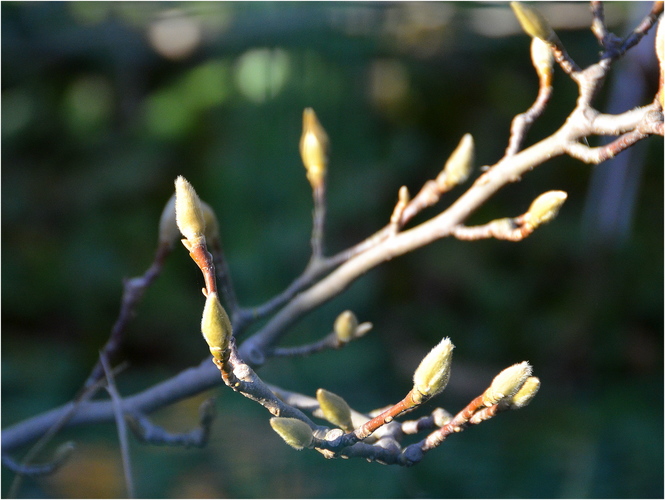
x,y
507,383
188,212
313,148
433,373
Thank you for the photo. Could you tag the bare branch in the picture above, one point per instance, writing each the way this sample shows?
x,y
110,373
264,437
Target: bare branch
x,y
116,402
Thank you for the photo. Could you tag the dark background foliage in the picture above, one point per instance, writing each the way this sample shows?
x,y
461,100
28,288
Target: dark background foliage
x,y
101,111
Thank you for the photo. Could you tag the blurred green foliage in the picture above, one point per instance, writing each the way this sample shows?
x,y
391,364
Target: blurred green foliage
x,y
105,103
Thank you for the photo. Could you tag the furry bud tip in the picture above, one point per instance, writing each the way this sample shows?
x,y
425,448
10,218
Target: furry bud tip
x,y
533,22
526,393
188,211
335,409
545,208
295,432
433,373
507,383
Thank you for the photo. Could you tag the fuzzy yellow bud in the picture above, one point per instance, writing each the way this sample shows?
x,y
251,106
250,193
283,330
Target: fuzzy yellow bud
x,y
507,383
346,326
188,212
433,373
313,148
533,22
545,208
335,409
526,393
459,165
295,432
168,228
542,59
210,219
215,326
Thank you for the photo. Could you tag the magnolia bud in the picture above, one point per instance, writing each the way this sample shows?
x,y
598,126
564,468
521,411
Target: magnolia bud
x,y
533,22
431,376
210,219
345,326
507,383
168,228
545,208
526,393
215,326
335,409
542,59
188,212
313,148
458,167
295,432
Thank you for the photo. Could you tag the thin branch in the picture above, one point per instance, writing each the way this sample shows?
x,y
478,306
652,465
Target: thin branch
x,y
318,221
522,122
330,341
642,29
62,417
608,151
598,26
60,457
438,418
133,291
116,402
502,229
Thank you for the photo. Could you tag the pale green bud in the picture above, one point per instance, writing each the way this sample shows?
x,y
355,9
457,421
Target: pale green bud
x,y
526,393
335,409
507,383
542,58
168,228
459,165
188,212
433,373
545,208
210,219
295,432
313,148
215,326
346,326
533,22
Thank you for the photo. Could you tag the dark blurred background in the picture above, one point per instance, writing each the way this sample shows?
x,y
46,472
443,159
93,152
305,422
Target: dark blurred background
x,y
104,104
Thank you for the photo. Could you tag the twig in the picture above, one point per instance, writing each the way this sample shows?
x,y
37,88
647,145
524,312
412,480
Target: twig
x,y
61,418
330,341
116,402
318,221
598,26
60,457
133,291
